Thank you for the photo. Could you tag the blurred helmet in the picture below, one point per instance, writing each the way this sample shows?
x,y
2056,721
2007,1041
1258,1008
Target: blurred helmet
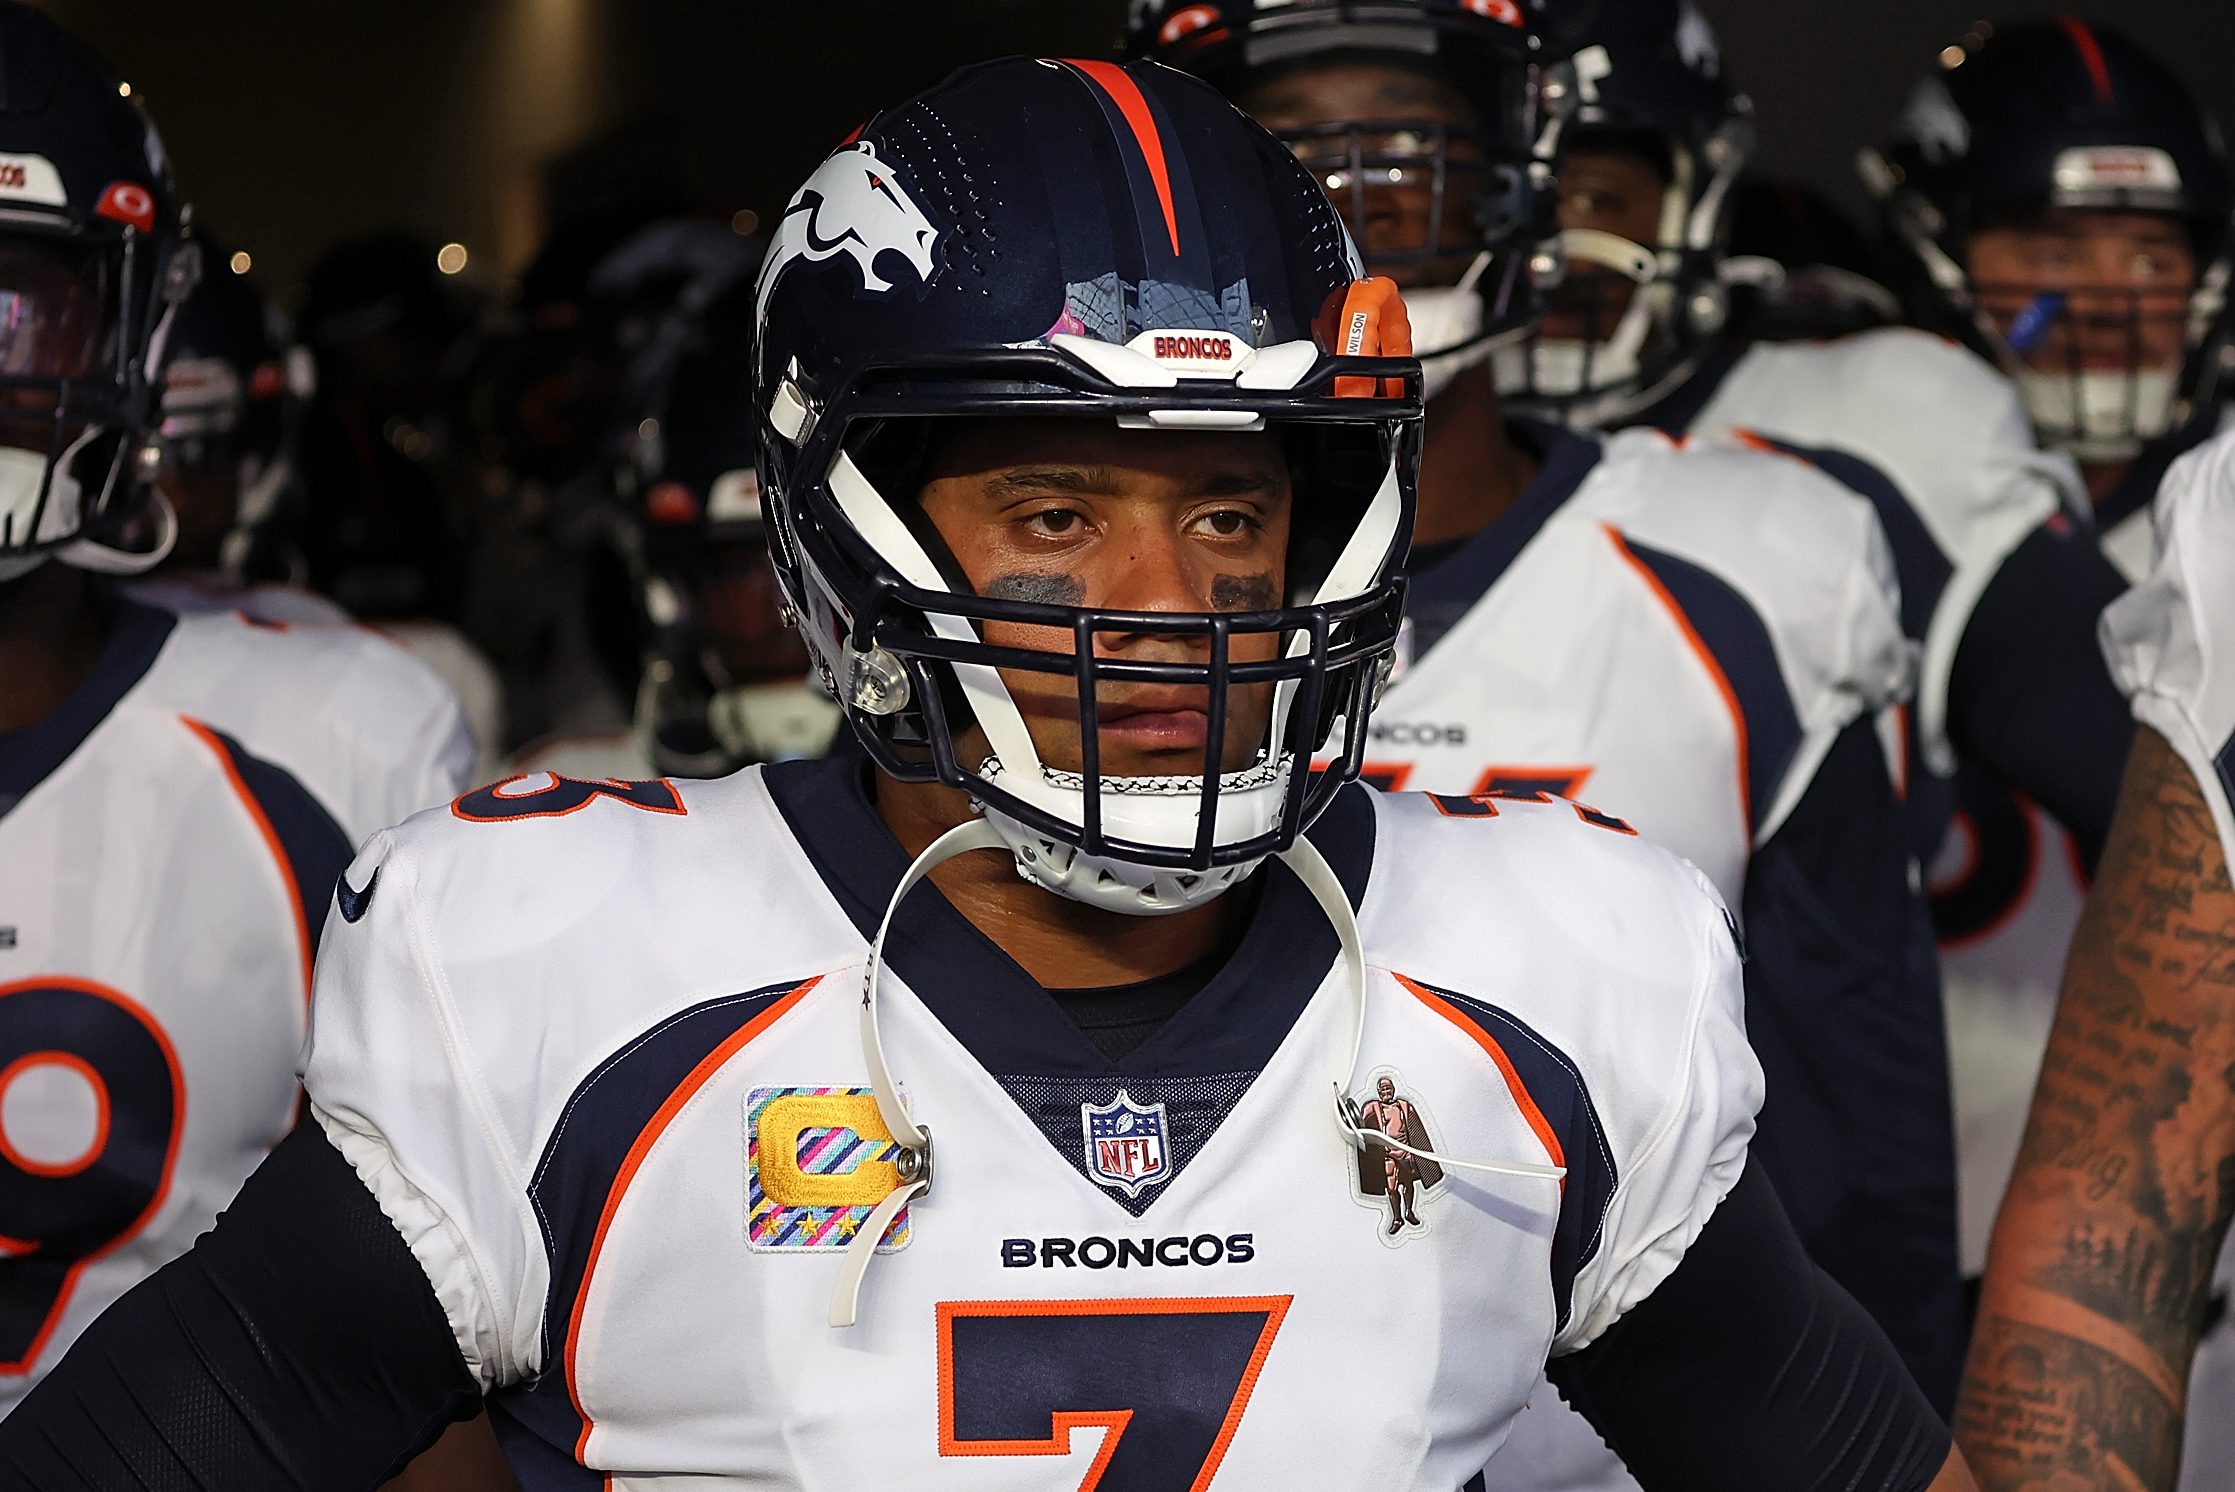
x,y
2027,119
1799,269
1083,239
93,263
232,405
1490,188
725,681
1649,79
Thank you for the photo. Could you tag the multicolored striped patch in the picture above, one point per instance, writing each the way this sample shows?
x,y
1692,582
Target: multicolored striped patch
x,y
817,1162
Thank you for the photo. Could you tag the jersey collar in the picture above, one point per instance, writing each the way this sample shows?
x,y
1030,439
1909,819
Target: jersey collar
x,y
1007,1021
31,755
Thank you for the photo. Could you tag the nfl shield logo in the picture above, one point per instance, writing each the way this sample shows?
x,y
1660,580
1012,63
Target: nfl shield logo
x,y
1127,1146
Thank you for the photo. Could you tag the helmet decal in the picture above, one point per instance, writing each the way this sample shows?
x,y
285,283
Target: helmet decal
x,y
855,205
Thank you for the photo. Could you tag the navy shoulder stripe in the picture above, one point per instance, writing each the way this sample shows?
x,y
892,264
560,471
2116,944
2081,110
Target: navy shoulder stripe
x,y
1735,634
1919,564
312,849
611,1120
1551,1081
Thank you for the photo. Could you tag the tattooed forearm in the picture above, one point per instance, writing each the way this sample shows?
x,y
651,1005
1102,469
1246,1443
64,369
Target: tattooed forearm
x,y
2100,1270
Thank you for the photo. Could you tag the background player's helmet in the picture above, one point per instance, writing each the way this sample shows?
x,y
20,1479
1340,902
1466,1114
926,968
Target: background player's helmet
x,y
234,389
93,260
1082,239
723,681
2060,114
1799,269
1498,179
1649,79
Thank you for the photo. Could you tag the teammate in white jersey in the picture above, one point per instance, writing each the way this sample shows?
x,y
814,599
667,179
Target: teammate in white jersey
x,y
1700,641
177,794
2102,1270
718,1149
2063,207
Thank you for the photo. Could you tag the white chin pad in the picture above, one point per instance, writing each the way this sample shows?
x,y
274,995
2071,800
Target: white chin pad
x,y
1152,810
2107,414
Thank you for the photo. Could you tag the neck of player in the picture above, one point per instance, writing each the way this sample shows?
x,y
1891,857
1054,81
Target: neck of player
x,y
1062,944
51,634
1471,468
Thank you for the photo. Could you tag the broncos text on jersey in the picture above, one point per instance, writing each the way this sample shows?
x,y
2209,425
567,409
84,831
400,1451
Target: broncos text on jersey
x,y
595,1048
166,839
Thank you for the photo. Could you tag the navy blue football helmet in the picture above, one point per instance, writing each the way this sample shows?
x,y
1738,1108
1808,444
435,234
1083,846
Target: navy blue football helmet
x,y
94,259
1637,317
1039,238
1477,271
722,682
234,389
2024,120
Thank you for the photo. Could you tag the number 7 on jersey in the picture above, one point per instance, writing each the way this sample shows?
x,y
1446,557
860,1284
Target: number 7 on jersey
x,y
1167,1380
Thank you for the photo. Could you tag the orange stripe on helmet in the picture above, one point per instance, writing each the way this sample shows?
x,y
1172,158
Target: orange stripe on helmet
x,y
2091,54
1126,94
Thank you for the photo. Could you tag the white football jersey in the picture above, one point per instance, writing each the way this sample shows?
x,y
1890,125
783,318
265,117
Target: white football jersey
x,y
198,593
2171,640
596,1049
1674,636
166,839
1935,437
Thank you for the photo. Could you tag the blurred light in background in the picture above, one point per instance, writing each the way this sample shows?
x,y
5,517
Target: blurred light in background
x,y
240,261
450,258
124,90
743,221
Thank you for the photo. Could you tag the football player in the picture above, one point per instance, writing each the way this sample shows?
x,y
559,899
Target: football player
x,y
1700,641
689,1124
718,679
177,793
233,392
2063,206
2100,1280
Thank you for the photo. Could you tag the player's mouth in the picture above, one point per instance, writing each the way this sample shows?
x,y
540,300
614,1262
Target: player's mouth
x,y
1143,728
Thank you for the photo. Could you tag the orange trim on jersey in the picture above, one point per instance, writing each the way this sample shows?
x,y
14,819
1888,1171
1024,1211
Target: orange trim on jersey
x,y
1714,670
649,1136
303,941
84,1069
1063,1422
1546,1135
155,1029
2091,55
1126,94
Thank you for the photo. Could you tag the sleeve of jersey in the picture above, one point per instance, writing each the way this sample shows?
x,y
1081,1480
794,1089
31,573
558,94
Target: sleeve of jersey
x,y
2171,640
395,1088
1682,1164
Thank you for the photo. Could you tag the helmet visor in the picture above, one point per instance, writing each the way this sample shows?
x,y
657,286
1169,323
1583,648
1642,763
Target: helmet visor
x,y
54,309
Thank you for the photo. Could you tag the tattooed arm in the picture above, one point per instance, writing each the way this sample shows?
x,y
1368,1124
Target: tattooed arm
x,y
2101,1264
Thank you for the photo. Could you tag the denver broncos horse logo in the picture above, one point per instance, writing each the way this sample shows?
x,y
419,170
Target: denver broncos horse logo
x,y
852,205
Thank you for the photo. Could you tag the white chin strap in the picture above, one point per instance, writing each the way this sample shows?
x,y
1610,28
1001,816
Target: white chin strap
x,y
913,1164
2106,415
87,554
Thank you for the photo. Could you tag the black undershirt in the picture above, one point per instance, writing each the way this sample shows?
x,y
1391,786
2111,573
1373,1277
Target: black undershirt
x,y
1117,1018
